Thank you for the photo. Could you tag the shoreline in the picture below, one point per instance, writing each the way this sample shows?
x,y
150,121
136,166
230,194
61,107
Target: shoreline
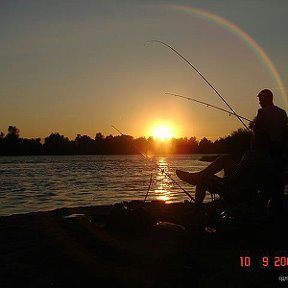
x,y
49,249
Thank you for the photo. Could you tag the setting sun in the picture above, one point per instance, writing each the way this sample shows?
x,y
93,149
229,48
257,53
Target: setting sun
x,y
162,132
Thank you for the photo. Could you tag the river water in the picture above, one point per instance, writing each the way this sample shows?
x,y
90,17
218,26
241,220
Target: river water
x,y
40,183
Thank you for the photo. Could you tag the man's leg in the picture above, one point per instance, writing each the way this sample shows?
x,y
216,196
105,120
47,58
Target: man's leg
x,y
213,184
222,162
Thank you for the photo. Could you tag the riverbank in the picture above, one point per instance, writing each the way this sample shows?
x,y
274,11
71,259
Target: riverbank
x,y
82,247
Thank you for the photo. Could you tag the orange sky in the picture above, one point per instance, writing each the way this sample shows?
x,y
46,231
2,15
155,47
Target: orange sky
x,y
79,67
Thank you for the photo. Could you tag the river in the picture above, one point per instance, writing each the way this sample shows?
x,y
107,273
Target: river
x,y
40,183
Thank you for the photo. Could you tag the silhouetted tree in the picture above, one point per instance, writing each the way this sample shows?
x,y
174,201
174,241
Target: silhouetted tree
x,y
238,142
194,145
85,145
56,144
180,145
99,136
122,145
221,146
205,146
140,145
151,145
11,144
13,132
30,147
99,143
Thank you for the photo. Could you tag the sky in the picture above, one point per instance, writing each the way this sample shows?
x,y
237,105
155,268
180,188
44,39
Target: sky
x,y
79,67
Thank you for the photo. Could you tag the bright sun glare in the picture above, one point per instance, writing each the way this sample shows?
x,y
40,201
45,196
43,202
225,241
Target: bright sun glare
x,y
162,132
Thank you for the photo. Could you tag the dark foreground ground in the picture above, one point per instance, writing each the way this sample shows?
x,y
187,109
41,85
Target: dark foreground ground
x,y
48,249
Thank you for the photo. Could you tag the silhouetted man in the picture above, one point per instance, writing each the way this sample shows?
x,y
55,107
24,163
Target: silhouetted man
x,y
260,169
271,122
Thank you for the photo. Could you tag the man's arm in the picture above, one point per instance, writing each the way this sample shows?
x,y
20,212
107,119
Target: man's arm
x,y
259,125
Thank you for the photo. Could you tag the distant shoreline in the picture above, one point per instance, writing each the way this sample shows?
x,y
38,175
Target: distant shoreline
x,y
55,144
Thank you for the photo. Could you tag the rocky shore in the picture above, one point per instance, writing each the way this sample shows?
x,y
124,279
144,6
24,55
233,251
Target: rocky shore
x,y
164,245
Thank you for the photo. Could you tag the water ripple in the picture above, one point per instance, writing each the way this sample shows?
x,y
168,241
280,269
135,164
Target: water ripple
x,y
48,182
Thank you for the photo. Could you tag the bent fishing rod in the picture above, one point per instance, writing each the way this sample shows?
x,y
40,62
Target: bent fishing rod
x,y
162,170
202,76
209,105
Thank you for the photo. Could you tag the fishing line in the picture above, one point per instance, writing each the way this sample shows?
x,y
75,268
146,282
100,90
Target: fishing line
x,y
209,105
157,165
150,183
202,76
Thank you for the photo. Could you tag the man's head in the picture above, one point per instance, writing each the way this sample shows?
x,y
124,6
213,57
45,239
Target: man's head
x,y
265,97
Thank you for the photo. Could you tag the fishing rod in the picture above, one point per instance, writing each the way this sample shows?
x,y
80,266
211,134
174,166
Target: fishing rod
x,y
202,76
210,105
151,176
162,170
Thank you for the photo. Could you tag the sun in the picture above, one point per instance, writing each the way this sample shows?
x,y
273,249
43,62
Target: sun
x,y
162,132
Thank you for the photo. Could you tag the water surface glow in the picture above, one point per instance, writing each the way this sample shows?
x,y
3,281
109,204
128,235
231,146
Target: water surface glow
x,y
39,183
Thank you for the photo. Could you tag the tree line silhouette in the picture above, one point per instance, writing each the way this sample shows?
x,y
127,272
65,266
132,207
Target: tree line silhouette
x,y
56,144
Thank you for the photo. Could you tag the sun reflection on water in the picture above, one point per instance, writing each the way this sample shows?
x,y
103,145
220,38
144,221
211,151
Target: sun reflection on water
x,y
163,183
